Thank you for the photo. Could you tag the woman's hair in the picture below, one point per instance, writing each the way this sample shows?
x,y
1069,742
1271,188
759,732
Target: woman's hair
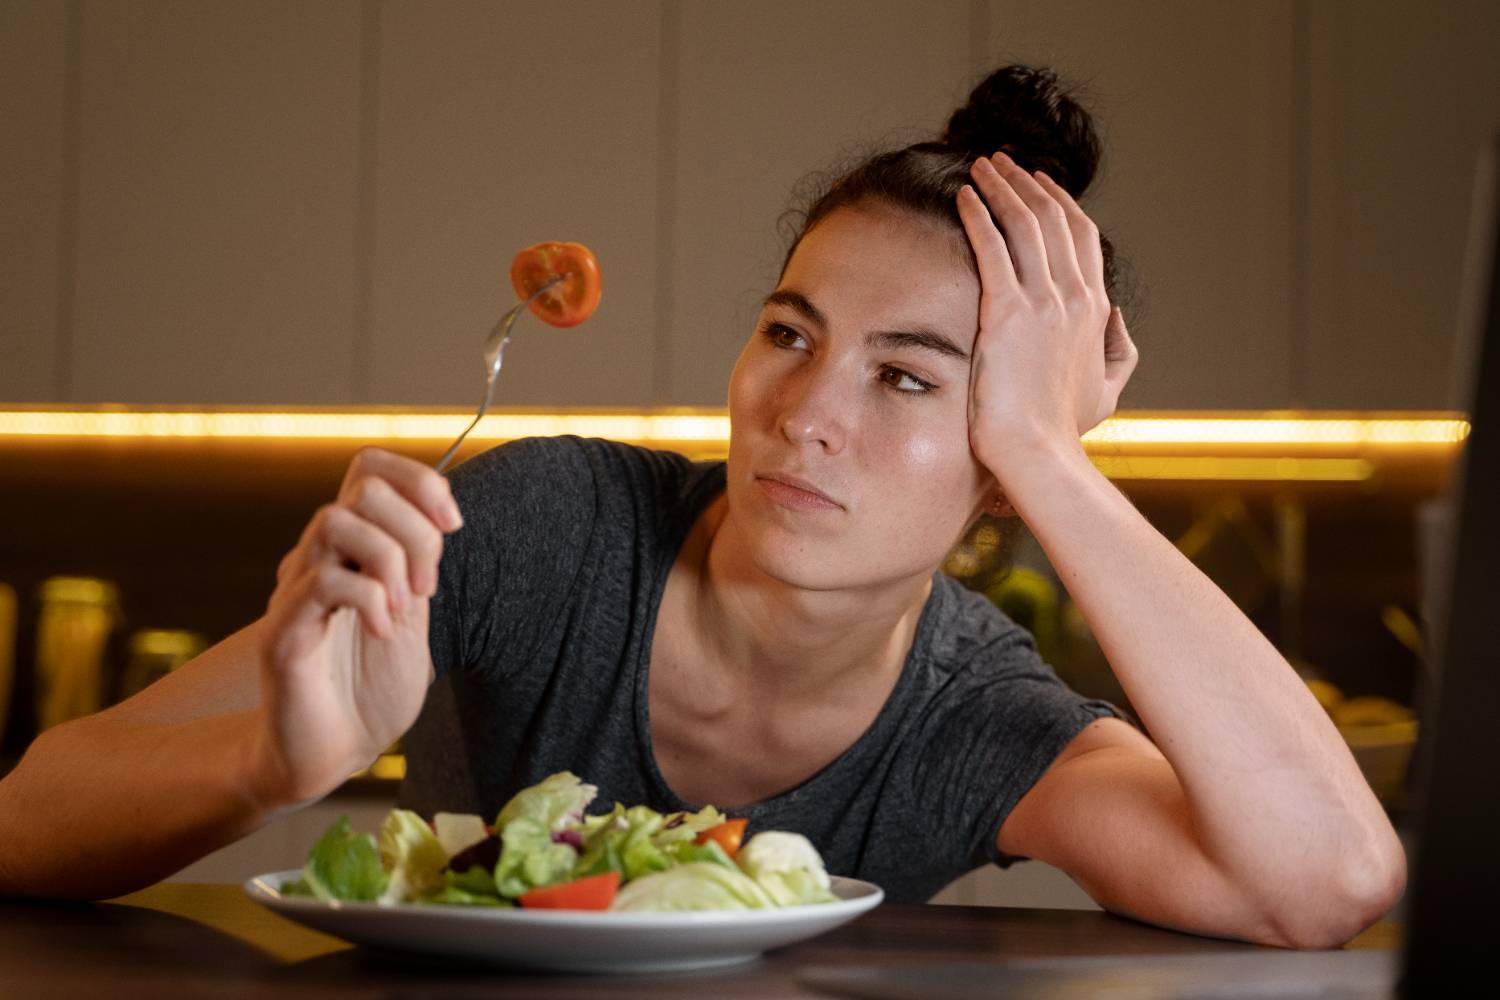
x,y
1026,112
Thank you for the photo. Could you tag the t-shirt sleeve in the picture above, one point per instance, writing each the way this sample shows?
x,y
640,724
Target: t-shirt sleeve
x,y
529,508
1000,724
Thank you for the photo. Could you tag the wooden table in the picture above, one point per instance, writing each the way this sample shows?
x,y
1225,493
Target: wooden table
x,y
177,939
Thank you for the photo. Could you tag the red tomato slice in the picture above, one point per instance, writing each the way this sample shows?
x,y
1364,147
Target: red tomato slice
x,y
593,893
565,304
727,835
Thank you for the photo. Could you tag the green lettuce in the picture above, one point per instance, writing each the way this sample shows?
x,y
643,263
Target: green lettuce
x,y
686,826
625,841
453,895
412,855
476,881
685,852
344,865
557,801
698,885
787,866
529,859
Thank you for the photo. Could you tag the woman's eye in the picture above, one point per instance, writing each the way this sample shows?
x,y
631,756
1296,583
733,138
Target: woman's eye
x,y
782,336
903,381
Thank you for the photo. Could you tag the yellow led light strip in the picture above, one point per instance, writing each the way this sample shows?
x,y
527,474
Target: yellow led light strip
x,y
1441,430
351,426
707,426
1176,467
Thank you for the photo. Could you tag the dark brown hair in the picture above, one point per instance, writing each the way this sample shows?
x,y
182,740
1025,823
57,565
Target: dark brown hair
x,y
1026,112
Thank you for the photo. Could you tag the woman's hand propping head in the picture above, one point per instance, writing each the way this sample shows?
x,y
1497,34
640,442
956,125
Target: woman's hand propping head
x,y
1052,355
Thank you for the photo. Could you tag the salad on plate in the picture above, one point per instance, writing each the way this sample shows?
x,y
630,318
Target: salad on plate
x,y
544,852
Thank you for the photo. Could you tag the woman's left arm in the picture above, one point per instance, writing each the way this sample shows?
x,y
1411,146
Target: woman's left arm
x,y
1253,820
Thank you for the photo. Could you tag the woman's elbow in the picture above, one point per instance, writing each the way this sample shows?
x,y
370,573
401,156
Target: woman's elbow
x,y
1330,918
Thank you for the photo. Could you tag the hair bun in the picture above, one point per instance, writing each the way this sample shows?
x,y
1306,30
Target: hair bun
x,y
1029,114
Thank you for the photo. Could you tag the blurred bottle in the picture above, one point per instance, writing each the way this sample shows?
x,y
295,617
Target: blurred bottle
x,y
156,652
1030,600
78,614
7,652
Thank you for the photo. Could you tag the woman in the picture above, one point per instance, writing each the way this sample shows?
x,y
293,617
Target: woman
x,y
771,634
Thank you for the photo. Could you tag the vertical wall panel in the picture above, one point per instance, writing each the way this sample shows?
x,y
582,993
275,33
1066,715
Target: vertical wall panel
x,y
33,47
501,126
1196,107
217,202
770,92
1402,96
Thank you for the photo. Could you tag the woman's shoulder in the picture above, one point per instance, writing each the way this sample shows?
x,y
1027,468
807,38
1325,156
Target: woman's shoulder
x,y
543,475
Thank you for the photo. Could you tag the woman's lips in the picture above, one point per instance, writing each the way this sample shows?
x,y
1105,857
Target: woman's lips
x,y
788,491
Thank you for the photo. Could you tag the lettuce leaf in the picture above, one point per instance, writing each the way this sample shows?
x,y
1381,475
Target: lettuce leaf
x,y
345,865
529,858
453,895
698,885
555,802
411,855
787,866
686,852
686,826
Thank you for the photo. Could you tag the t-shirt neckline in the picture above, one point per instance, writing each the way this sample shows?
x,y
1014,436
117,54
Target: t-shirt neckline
x,y
695,499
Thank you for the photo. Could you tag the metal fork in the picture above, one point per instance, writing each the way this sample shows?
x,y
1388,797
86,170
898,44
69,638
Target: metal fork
x,y
494,354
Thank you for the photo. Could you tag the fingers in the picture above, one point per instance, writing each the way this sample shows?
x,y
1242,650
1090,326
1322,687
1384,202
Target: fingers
x,y
996,271
1043,225
1086,247
418,539
1119,349
374,548
420,484
1120,358
300,611
1019,225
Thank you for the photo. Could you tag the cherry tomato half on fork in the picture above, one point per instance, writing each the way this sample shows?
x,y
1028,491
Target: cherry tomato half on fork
x,y
575,298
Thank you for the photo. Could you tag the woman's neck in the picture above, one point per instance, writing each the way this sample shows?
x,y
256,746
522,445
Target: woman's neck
x,y
795,642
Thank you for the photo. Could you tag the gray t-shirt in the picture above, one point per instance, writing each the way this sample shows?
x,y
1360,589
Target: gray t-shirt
x,y
541,636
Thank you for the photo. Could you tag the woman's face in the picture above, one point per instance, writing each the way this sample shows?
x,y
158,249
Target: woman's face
x,y
855,385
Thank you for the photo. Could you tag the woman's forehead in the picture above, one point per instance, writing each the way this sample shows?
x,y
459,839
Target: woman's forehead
x,y
881,265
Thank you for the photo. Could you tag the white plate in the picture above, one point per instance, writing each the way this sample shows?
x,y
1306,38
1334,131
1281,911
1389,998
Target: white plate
x,y
570,941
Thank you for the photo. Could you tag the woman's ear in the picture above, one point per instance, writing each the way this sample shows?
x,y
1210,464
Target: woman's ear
x,y
998,505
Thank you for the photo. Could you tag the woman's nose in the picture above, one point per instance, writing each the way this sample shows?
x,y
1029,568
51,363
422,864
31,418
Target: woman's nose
x,y
813,413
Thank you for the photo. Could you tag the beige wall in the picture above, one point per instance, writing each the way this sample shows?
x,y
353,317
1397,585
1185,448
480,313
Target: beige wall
x,y
220,201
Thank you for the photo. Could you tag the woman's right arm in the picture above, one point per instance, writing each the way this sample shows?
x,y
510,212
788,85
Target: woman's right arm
x,y
275,716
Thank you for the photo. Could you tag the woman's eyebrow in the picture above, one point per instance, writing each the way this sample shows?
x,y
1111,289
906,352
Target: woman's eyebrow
x,y
921,338
798,302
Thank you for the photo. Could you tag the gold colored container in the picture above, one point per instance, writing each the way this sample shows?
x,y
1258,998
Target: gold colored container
x,y
156,652
7,651
78,614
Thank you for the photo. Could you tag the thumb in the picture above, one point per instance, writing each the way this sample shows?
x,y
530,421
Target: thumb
x,y
1117,343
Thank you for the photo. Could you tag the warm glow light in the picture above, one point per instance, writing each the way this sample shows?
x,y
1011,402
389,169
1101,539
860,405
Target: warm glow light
x,y
1270,430
644,426
708,426
1234,469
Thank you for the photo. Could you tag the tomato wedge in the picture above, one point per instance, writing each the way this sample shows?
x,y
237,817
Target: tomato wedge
x,y
565,304
727,835
595,892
